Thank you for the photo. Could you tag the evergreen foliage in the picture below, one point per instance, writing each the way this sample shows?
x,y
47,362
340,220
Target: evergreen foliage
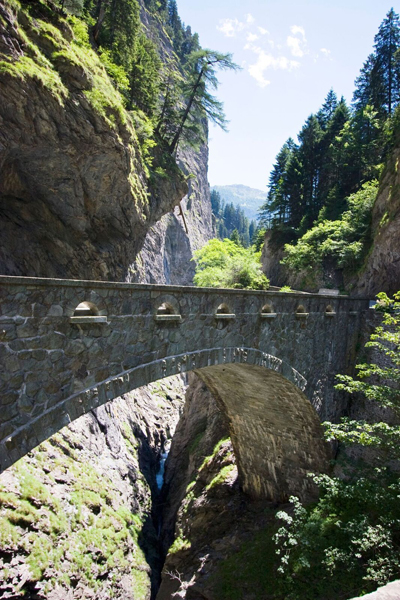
x,y
198,102
344,239
171,95
338,150
229,218
379,80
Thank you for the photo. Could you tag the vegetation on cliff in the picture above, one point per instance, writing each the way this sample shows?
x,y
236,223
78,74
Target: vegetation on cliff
x,y
339,150
128,71
349,542
343,240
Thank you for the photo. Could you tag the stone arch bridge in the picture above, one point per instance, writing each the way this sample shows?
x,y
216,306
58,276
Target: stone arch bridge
x,y
269,357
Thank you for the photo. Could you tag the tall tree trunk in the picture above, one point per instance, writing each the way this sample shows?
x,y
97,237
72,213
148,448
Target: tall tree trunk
x,y
101,13
178,134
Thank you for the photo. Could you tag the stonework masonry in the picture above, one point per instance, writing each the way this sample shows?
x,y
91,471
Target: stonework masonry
x,y
57,366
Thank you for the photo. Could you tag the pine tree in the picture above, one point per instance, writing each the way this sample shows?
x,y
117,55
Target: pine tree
x,y
276,205
327,110
333,187
235,237
199,103
379,81
144,78
387,42
215,202
310,158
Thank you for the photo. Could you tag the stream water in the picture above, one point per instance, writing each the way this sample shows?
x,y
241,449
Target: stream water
x,y
161,469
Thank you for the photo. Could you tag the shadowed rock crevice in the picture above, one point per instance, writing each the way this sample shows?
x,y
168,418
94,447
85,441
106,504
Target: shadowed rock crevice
x,y
245,442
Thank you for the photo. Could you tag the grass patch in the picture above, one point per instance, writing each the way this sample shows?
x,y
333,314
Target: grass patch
x,y
208,459
179,545
222,476
78,537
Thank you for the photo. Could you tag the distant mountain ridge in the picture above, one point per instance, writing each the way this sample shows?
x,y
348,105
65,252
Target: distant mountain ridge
x,y
249,199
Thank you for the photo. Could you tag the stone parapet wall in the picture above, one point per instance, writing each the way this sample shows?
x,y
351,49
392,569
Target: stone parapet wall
x,y
55,368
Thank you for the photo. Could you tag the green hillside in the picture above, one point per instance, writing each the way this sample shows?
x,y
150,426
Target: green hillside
x,y
249,199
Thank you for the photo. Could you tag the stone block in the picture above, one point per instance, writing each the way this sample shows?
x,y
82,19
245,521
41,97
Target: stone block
x,y
25,404
27,329
55,311
17,345
74,348
8,412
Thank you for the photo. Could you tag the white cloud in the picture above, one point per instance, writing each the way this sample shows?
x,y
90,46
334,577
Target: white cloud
x,y
267,61
262,30
230,27
297,45
295,29
325,52
252,37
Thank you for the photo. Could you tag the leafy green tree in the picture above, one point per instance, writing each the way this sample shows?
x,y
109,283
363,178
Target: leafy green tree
x,y
343,241
348,543
223,263
377,382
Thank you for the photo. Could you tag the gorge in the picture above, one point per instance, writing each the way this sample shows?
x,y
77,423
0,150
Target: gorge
x,y
110,359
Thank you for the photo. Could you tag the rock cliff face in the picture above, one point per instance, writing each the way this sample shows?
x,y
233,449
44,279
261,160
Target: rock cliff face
x,y
168,249
75,197
207,516
381,271
77,516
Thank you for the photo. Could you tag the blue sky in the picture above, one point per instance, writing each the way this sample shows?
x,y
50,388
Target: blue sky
x,y
291,54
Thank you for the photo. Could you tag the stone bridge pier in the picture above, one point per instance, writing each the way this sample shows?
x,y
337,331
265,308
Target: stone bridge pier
x,y
67,347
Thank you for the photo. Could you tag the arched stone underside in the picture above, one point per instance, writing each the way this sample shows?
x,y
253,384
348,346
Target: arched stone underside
x,y
67,346
276,433
46,424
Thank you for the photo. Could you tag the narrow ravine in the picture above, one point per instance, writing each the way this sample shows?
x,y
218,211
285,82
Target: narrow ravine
x,y
80,515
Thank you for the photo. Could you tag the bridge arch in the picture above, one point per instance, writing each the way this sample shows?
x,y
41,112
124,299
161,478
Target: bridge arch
x,y
56,366
272,451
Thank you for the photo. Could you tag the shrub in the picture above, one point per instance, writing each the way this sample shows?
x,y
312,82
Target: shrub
x,y
223,263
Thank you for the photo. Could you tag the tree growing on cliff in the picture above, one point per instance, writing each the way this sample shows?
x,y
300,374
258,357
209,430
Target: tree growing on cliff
x,y
349,542
199,103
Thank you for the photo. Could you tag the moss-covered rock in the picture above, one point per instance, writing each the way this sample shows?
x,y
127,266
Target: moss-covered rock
x,y
77,190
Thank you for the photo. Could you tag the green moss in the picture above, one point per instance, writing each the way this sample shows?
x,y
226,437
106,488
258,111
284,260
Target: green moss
x,y
195,443
222,476
207,461
179,545
77,538
140,584
26,67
